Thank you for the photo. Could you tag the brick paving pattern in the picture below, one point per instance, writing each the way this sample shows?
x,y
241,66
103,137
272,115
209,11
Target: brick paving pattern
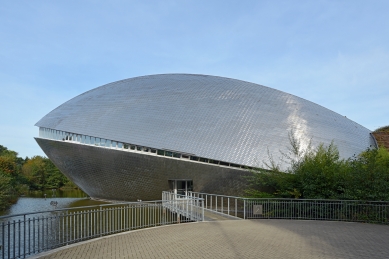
x,y
239,239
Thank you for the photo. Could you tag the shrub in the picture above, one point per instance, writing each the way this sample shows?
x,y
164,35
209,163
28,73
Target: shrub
x,y
320,173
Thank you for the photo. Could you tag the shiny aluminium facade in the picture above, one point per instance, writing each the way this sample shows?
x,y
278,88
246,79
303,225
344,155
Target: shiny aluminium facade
x,y
138,133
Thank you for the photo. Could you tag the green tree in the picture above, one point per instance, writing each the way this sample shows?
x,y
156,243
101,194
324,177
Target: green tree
x,y
8,193
35,173
9,177
320,173
8,164
42,174
54,178
368,177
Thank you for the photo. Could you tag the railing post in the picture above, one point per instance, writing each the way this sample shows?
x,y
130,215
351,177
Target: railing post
x,y
187,209
24,234
100,219
236,207
3,239
244,208
19,238
222,208
9,238
228,207
203,210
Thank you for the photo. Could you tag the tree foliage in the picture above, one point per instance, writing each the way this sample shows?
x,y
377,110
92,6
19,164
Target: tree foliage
x,y
7,191
41,174
320,173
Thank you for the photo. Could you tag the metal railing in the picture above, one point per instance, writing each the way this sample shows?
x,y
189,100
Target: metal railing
x,y
228,205
309,209
30,233
187,206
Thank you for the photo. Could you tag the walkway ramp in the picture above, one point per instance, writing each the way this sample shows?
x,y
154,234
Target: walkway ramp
x,y
214,216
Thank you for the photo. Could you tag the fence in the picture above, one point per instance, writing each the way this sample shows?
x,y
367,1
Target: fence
x,y
230,205
32,233
309,209
337,210
189,207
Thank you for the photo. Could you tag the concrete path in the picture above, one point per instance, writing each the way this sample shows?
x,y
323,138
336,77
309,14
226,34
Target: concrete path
x,y
239,239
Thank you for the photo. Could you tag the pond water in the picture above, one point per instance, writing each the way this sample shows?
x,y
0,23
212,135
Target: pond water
x,y
36,201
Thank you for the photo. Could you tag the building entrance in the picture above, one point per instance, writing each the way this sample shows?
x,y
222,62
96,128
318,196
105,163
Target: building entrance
x,y
181,186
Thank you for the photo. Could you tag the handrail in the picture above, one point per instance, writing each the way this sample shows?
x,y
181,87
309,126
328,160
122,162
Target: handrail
x,y
292,199
213,194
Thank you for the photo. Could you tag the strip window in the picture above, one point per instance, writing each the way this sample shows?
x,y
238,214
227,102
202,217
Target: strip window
x,y
88,140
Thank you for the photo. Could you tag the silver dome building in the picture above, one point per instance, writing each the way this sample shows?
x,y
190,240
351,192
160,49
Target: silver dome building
x,y
134,138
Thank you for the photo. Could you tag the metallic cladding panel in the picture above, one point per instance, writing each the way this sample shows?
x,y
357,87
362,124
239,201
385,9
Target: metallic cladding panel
x,y
118,175
212,117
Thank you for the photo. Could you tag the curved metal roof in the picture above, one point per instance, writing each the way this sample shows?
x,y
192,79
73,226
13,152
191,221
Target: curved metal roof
x,y
208,116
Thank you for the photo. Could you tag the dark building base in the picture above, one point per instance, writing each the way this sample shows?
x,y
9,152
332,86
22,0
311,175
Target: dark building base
x,y
111,174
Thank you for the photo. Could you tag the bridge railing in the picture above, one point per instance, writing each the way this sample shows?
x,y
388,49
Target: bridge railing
x,y
26,234
309,209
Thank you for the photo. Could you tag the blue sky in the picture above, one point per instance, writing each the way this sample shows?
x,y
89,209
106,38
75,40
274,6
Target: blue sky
x,y
334,53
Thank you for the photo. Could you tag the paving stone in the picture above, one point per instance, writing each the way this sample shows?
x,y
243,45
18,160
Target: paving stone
x,y
239,239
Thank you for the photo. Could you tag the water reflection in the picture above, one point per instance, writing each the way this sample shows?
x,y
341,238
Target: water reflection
x,y
57,193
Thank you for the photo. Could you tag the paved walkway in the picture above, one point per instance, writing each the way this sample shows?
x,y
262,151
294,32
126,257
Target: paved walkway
x,y
239,239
